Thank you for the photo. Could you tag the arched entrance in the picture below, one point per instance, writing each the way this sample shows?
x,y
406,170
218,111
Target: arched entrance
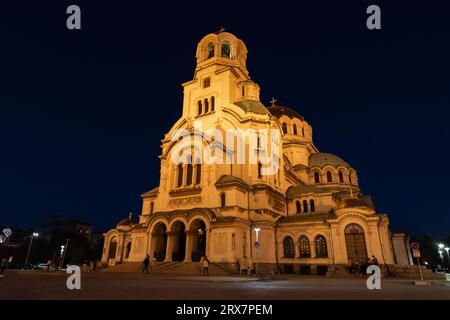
x,y
112,251
179,241
159,240
198,234
128,250
355,242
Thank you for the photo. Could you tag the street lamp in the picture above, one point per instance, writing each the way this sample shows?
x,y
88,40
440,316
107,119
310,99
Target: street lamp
x,y
442,257
35,234
63,253
257,230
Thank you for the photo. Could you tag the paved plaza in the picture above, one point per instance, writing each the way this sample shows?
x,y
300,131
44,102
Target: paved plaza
x,y
106,285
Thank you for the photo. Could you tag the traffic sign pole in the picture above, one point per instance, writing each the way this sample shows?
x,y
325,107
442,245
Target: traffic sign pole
x,y
420,268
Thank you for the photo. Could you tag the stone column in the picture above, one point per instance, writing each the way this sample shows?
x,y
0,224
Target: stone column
x,y
151,245
188,252
312,248
207,239
169,247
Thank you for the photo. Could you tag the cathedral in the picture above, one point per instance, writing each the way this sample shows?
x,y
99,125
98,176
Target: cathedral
x,y
264,197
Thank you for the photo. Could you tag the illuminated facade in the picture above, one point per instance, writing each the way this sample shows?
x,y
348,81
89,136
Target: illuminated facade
x,y
308,208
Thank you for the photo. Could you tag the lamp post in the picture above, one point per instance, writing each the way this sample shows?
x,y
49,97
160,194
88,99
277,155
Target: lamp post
x,y
63,253
441,247
35,234
447,249
257,230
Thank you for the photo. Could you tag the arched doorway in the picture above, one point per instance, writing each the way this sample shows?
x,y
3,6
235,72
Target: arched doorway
x,y
112,251
355,242
159,237
128,250
179,241
198,233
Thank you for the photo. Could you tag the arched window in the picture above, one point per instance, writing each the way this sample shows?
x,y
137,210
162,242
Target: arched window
x,y
288,247
284,127
355,242
210,50
128,250
341,177
199,104
312,206
189,172
206,103
198,174
152,205
321,247
225,50
259,170
180,175
222,199
298,206
303,132
213,103
329,177
316,177
295,129
305,250
305,206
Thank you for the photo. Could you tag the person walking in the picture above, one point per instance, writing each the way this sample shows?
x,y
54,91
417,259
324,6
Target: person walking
x,y
146,264
373,261
205,264
3,266
49,264
357,266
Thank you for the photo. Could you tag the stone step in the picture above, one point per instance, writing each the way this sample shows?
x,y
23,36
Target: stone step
x,y
195,268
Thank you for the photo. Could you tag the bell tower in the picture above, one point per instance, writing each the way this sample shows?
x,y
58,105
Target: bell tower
x,y
220,78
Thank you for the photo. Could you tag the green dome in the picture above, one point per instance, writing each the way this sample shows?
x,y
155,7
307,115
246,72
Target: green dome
x,y
322,159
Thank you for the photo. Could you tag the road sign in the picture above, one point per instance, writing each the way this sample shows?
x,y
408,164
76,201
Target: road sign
x,y
414,246
416,253
256,245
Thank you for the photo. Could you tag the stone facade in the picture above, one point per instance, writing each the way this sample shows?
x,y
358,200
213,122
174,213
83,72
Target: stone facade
x,y
307,212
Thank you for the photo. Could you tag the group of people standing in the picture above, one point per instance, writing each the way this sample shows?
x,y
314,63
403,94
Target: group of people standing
x,y
204,262
359,266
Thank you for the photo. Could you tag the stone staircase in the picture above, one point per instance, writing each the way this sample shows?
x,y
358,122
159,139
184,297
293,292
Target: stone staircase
x,y
157,267
195,268
181,268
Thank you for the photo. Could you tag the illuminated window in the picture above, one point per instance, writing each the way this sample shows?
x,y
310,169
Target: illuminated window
x,y
225,50
222,200
206,103
198,174
199,104
321,247
180,175
305,250
316,177
329,177
298,206
210,50
312,206
288,247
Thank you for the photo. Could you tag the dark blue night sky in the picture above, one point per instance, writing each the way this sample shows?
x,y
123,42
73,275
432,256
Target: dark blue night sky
x,y
83,112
